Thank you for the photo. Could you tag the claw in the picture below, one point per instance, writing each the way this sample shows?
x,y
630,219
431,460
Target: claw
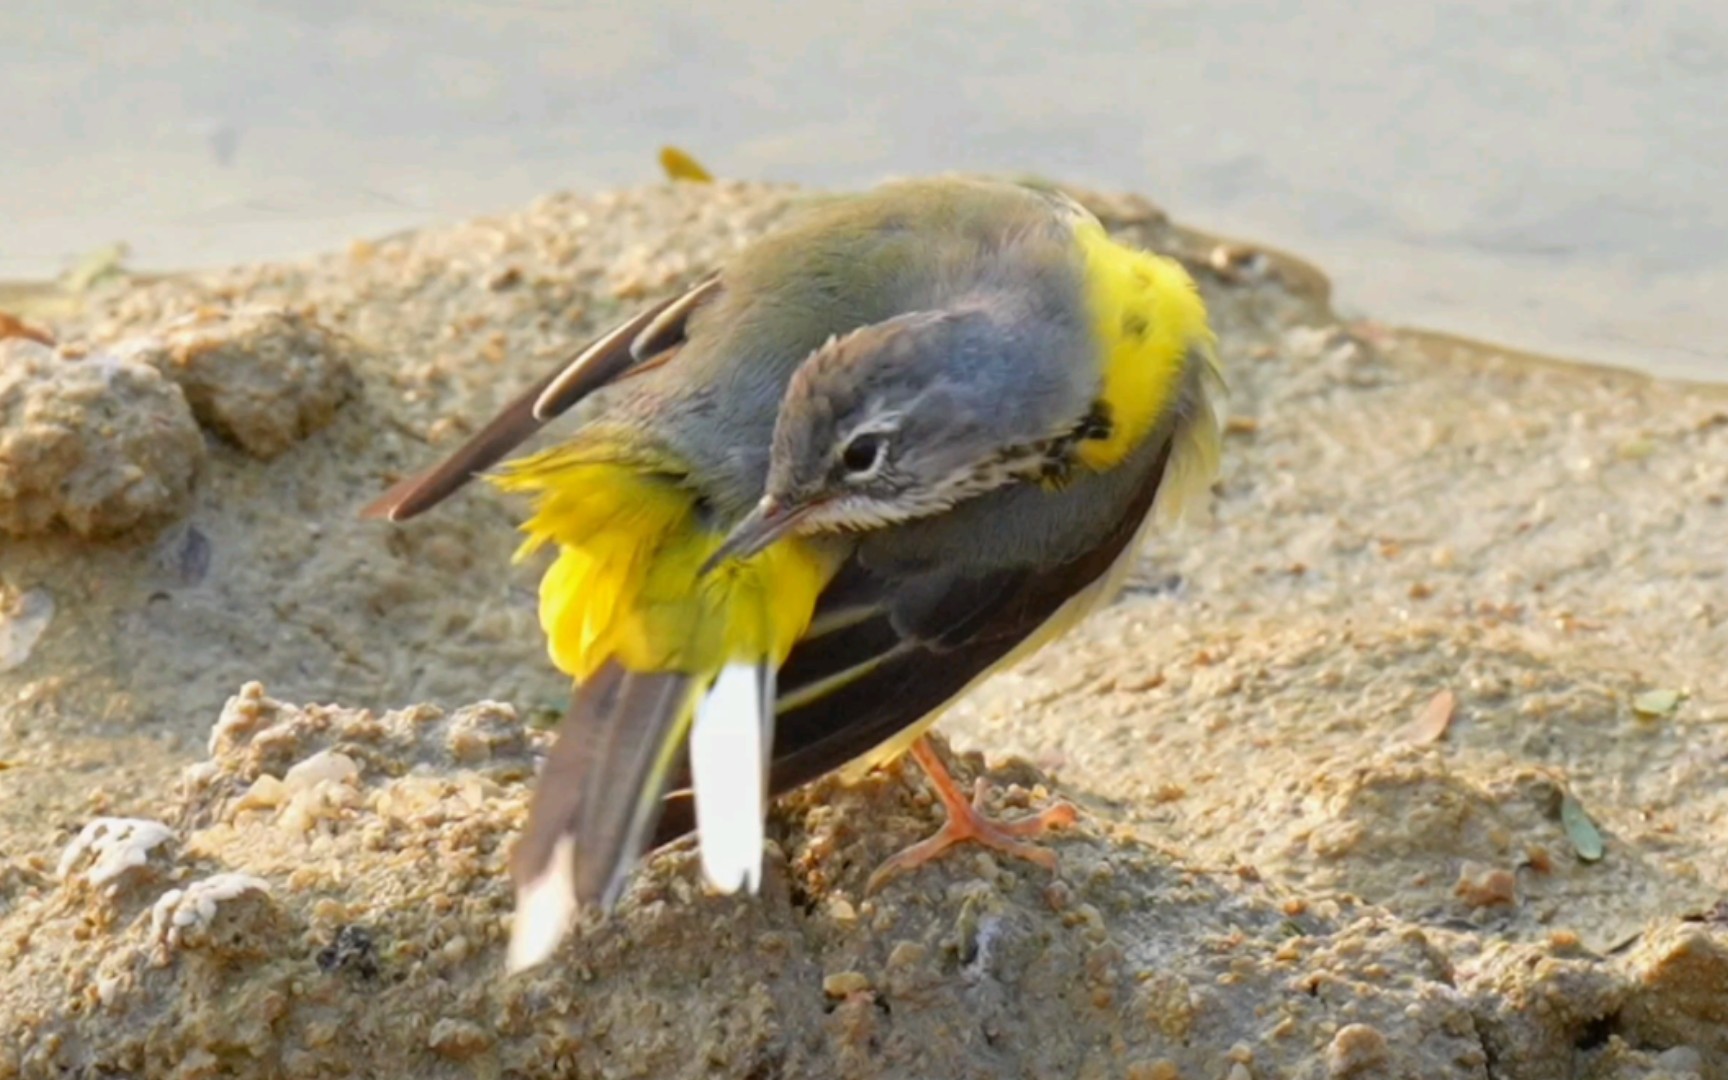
x,y
968,821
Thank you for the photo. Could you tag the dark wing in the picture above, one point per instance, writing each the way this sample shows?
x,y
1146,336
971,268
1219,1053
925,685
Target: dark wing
x,y
643,340
889,646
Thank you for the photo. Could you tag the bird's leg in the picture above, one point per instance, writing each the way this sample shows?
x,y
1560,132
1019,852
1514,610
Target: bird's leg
x,y
967,821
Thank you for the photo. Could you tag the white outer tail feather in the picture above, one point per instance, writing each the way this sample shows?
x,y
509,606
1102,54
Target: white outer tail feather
x,y
544,908
729,743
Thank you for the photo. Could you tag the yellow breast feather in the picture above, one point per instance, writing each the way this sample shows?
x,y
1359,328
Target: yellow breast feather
x,y
625,584
1150,324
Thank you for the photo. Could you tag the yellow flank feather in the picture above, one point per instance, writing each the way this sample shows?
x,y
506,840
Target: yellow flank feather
x,y
625,585
1150,322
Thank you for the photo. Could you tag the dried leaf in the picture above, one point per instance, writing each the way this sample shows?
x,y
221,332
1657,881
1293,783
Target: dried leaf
x,y
1655,704
11,326
681,166
1435,720
1585,836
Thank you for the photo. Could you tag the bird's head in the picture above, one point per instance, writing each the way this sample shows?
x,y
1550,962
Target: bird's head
x,y
900,420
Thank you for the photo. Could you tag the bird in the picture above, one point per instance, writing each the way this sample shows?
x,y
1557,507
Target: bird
x,y
893,446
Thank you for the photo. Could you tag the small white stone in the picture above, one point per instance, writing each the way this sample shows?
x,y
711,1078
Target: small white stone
x,y
307,808
118,844
196,904
471,790
198,774
108,989
324,766
266,792
410,797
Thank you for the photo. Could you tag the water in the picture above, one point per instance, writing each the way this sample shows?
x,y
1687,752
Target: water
x,y
1550,174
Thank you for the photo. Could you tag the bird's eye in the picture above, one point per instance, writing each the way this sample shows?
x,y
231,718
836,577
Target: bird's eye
x,y
862,454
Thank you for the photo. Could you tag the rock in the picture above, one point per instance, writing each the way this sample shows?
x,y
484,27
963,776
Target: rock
x,y
845,983
262,378
97,445
109,851
188,917
1615,1059
1356,1051
324,767
1532,1008
1679,992
1485,886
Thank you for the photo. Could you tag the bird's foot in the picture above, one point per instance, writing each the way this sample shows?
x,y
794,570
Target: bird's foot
x,y
968,821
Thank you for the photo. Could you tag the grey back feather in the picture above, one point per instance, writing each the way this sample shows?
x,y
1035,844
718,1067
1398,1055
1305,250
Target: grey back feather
x,y
844,264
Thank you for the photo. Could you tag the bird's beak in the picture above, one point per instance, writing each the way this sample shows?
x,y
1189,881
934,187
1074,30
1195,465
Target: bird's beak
x,y
761,527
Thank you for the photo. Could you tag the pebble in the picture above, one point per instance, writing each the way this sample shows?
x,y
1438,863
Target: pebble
x,y
842,984
841,910
458,1038
455,950
325,765
905,955
1481,886
1356,1049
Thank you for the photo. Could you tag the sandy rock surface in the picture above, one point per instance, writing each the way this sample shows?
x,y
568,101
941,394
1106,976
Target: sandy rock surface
x,y
1409,761
95,445
263,379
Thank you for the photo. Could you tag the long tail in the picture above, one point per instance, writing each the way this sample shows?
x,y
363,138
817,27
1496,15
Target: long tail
x,y
599,797
597,801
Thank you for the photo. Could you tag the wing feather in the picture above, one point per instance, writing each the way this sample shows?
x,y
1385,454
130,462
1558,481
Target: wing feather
x,y
644,339
597,800
933,631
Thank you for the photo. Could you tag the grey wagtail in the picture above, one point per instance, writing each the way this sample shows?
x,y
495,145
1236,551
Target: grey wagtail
x,y
895,446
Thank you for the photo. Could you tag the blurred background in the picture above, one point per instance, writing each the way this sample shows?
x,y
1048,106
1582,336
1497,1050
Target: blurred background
x,y
1551,174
